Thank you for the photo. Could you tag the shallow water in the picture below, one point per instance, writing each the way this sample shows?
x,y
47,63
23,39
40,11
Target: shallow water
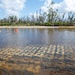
x,y
30,36
37,51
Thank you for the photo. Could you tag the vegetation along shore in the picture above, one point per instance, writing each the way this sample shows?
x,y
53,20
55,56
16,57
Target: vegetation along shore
x,y
50,18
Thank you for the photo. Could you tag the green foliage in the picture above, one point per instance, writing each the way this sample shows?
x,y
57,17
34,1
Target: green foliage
x,y
38,24
65,24
57,24
5,24
49,18
48,24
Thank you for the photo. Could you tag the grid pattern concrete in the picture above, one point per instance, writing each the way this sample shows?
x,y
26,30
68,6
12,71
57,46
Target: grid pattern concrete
x,y
50,52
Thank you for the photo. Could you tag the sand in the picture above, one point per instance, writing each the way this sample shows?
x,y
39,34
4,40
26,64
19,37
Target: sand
x,y
37,26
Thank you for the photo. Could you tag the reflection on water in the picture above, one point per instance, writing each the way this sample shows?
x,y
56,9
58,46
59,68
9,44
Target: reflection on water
x,y
23,37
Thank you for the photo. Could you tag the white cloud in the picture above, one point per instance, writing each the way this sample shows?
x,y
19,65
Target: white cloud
x,y
70,5
64,6
12,7
46,4
34,14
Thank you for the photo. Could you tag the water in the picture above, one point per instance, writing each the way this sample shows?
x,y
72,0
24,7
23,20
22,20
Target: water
x,y
30,36
41,52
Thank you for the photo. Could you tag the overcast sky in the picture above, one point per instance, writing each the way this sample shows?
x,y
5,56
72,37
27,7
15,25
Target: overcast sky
x,y
26,7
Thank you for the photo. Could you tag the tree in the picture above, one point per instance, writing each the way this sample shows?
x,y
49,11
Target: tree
x,y
51,13
12,19
71,17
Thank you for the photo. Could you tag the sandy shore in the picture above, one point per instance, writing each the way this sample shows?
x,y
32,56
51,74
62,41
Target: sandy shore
x,y
37,26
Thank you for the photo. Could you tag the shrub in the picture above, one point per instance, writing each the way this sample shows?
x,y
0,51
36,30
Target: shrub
x,y
48,24
57,24
5,24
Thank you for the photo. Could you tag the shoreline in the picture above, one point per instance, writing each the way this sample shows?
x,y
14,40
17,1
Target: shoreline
x,y
37,26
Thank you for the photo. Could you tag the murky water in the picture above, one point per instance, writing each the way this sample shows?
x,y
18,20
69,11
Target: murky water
x,y
23,37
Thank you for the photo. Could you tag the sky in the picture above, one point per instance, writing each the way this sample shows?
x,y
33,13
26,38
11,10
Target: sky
x,y
22,8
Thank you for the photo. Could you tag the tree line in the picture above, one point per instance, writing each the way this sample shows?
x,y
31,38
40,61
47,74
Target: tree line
x,y
50,18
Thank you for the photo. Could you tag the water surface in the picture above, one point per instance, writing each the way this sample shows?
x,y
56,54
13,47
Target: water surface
x,y
36,36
